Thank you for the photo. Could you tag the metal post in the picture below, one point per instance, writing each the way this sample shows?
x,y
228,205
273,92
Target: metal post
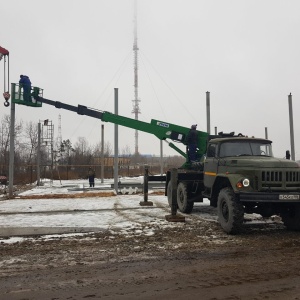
x,y
208,111
31,173
116,161
38,163
102,153
174,178
146,180
216,131
291,127
11,149
266,137
161,158
173,217
146,188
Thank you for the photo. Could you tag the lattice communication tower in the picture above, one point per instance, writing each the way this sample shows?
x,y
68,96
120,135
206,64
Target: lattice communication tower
x,y
136,108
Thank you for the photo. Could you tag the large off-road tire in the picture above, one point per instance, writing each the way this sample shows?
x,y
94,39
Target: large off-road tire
x,y
291,218
230,211
182,199
169,193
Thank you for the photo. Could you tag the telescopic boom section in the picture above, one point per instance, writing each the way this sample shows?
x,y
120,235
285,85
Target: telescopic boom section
x,y
160,129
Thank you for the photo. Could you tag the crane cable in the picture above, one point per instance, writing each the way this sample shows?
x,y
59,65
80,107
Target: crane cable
x,y
6,93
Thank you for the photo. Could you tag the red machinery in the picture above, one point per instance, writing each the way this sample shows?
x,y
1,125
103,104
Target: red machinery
x,y
5,54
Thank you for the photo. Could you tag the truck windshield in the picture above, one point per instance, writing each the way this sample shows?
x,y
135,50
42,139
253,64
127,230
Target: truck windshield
x,y
245,148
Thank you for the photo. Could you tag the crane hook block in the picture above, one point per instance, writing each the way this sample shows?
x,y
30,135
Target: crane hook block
x,y
6,96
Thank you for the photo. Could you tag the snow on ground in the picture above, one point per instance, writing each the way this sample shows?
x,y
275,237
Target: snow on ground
x,y
119,213
65,212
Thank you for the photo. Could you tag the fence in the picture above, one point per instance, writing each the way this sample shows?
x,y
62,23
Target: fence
x,y
24,174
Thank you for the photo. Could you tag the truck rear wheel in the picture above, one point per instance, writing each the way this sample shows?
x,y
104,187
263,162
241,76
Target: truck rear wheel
x,y
182,199
230,211
291,218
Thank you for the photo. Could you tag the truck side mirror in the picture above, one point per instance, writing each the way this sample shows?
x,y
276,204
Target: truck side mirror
x,y
287,154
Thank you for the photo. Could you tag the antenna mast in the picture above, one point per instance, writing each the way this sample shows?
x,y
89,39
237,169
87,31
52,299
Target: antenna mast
x,y
136,109
59,137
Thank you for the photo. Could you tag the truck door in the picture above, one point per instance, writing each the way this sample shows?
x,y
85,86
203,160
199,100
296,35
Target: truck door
x,y
211,165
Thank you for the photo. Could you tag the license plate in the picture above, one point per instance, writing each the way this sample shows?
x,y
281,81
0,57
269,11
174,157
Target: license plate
x,y
289,197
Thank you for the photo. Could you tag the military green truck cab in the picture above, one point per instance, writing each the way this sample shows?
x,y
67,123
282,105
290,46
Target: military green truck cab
x,y
242,176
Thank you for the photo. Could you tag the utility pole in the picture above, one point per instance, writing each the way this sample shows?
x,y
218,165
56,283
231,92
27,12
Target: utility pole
x,y
38,164
208,112
136,108
291,126
11,149
102,153
116,157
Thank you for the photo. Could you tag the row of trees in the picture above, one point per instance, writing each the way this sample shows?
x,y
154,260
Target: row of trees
x,y
81,153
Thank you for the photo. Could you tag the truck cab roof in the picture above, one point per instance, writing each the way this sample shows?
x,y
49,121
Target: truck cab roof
x,y
239,139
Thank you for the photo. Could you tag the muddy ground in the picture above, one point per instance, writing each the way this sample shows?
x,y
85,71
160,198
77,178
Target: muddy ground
x,y
191,260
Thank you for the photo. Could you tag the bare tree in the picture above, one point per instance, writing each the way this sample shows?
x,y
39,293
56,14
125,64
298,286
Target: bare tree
x,y
5,138
83,152
31,138
126,151
66,151
107,149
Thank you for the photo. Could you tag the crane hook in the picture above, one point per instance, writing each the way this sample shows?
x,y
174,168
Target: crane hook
x,y
6,96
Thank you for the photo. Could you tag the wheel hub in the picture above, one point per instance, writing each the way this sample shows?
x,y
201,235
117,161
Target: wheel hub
x,y
225,211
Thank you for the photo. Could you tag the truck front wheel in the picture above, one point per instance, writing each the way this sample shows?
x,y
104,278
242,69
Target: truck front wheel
x,y
182,199
230,211
291,217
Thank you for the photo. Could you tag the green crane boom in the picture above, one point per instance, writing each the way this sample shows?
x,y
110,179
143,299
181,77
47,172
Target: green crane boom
x,y
162,130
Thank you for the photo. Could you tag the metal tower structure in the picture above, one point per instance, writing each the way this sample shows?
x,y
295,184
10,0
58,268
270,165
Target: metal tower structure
x,y
57,151
59,136
136,109
47,135
47,140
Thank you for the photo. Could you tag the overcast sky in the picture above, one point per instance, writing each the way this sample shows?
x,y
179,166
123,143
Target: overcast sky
x,y
244,52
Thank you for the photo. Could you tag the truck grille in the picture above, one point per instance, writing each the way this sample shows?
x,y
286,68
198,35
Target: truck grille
x,y
280,179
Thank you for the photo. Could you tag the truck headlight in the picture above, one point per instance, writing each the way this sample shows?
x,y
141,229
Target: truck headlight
x,y
243,183
246,182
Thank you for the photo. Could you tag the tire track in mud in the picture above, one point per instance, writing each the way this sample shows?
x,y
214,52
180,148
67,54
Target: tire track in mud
x,y
122,211
198,213
155,220
207,213
141,212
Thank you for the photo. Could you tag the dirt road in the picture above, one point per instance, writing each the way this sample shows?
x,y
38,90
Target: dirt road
x,y
195,260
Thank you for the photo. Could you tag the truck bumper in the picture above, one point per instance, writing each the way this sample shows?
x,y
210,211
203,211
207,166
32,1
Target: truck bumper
x,y
269,197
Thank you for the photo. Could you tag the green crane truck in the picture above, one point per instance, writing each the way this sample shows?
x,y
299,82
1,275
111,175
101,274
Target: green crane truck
x,y
238,174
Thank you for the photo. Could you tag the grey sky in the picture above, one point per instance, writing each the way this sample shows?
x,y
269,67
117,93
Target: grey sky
x,y
246,53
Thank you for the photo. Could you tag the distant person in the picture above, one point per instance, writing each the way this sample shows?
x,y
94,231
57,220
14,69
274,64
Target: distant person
x,y
25,83
91,176
192,142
